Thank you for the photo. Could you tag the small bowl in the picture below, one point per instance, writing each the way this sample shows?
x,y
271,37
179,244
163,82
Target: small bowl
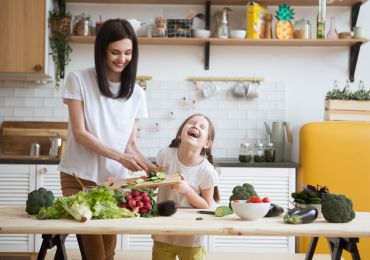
x,y
250,211
238,34
201,33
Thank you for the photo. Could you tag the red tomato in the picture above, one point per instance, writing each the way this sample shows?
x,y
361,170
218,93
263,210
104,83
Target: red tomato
x,y
266,199
255,199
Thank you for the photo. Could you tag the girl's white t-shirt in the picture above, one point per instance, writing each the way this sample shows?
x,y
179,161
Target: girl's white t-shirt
x,y
110,120
202,176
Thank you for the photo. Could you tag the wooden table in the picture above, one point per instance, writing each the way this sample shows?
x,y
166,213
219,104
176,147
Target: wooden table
x,y
17,221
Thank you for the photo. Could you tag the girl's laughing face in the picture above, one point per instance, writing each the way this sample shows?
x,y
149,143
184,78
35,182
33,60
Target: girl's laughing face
x,y
119,55
195,132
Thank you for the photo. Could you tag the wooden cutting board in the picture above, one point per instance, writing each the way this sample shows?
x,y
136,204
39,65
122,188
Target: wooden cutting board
x,y
171,179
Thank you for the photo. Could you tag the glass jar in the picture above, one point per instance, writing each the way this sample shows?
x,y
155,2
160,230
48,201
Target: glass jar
x,y
259,154
245,153
82,25
302,29
270,152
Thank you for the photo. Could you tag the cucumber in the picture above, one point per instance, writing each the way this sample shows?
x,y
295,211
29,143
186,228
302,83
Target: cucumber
x,y
222,211
139,181
161,175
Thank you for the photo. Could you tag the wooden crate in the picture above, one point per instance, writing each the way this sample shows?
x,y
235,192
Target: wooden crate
x,y
347,110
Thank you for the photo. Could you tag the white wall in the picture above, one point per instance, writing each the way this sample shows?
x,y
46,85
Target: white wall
x,y
296,80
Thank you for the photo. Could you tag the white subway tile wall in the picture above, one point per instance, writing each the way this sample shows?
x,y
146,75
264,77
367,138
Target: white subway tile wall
x,y
235,119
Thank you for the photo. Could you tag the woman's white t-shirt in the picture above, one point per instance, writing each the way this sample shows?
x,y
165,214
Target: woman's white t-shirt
x,y
110,120
202,176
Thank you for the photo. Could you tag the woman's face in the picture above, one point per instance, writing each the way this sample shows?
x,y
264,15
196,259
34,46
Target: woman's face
x,y
119,54
195,132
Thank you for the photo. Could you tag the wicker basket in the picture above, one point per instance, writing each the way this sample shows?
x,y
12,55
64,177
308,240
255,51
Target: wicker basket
x,y
179,27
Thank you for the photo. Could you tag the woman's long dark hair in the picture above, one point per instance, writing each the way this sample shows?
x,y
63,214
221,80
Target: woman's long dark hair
x,y
111,31
205,152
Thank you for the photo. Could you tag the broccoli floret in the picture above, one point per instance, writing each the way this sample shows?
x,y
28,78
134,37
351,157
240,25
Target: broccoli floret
x,y
337,208
38,199
243,192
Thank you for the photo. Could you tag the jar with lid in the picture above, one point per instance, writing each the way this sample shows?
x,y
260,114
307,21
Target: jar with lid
x,y
302,29
270,152
259,154
82,25
245,152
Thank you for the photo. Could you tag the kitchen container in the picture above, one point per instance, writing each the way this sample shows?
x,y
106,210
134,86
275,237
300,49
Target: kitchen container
x,y
259,153
35,149
302,29
82,25
250,211
55,147
179,27
270,152
245,152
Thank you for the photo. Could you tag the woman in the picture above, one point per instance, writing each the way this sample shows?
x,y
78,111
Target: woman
x,y
104,105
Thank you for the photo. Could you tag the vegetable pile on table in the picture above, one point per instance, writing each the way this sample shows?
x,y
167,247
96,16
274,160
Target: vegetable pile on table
x,y
98,203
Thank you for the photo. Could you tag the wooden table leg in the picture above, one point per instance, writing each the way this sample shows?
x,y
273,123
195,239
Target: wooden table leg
x,y
48,242
311,248
338,244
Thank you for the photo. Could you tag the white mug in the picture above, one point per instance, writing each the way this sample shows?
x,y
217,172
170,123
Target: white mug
x,y
253,90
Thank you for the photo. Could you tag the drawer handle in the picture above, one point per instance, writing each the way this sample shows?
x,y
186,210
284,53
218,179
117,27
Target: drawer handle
x,y
43,170
37,67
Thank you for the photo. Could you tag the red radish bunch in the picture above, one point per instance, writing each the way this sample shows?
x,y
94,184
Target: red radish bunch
x,y
138,201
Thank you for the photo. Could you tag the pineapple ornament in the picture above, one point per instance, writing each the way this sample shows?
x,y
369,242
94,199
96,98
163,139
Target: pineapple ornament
x,y
284,27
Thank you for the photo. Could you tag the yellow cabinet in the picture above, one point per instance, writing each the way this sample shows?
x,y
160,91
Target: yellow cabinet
x,y
22,41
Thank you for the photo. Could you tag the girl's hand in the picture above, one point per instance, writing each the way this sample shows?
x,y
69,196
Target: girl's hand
x,y
132,162
182,187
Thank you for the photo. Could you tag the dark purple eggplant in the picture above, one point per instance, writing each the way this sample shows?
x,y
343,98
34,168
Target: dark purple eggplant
x,y
274,211
301,215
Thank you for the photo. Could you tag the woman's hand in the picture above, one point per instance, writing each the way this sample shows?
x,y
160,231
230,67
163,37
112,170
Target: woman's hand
x,y
132,162
183,187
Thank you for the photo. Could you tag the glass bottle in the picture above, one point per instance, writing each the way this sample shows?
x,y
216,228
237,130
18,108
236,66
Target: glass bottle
x,y
259,154
245,153
332,33
270,152
321,20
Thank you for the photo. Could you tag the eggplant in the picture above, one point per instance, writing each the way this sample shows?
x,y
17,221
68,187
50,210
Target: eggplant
x,y
301,215
274,211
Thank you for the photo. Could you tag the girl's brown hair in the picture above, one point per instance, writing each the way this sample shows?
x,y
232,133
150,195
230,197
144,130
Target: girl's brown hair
x,y
205,151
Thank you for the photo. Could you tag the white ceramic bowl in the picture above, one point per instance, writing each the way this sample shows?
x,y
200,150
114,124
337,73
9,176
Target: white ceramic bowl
x,y
250,211
201,33
238,34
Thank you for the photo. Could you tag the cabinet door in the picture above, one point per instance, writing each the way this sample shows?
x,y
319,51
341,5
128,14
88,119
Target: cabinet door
x,y
275,183
16,181
48,176
22,41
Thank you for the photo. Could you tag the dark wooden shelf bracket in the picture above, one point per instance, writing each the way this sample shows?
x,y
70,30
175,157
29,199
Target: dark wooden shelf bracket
x,y
354,14
355,50
207,46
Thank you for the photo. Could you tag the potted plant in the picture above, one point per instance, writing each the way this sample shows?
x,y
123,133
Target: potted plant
x,y
310,196
348,105
60,23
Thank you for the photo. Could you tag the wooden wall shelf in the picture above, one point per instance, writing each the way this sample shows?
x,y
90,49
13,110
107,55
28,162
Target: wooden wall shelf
x,y
235,42
353,44
221,2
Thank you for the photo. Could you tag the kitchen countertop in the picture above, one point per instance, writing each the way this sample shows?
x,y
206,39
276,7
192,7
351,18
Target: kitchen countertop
x,y
222,162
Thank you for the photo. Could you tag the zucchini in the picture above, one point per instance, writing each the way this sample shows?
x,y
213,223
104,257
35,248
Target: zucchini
x,y
301,215
222,211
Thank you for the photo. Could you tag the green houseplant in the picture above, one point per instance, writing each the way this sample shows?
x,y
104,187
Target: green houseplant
x,y
60,40
346,105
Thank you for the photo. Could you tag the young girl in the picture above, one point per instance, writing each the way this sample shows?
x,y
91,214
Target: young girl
x,y
189,154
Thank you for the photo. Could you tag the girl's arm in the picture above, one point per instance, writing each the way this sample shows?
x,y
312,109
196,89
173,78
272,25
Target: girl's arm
x,y
85,138
133,149
202,201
